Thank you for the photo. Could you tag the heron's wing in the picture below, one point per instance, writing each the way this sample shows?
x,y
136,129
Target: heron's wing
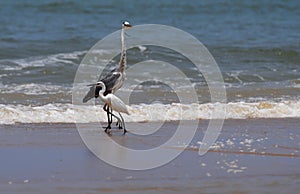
x,y
111,80
90,94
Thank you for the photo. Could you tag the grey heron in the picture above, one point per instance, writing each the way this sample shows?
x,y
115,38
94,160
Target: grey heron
x,y
113,102
113,80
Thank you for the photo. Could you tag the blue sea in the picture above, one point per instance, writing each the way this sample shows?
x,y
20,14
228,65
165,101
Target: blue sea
x,y
256,45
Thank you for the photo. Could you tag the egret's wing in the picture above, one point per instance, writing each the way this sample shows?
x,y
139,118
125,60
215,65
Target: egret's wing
x,y
117,104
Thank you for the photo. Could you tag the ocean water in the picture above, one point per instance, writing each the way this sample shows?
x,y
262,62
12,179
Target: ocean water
x,y
256,45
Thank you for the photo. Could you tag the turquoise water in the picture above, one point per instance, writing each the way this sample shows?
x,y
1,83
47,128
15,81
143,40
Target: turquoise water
x,y
255,43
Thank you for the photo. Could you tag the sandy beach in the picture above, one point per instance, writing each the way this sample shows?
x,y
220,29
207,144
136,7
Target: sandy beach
x,y
186,62
250,156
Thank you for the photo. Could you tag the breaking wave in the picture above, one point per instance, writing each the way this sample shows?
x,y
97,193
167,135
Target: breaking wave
x,y
69,113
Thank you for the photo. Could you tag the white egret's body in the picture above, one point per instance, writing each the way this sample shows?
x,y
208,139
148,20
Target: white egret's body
x,y
114,103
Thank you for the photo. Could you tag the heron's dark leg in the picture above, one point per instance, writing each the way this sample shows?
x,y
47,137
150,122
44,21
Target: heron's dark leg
x,y
107,129
123,123
119,122
107,110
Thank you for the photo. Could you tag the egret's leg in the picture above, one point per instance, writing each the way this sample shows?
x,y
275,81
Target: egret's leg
x,y
123,123
119,122
111,115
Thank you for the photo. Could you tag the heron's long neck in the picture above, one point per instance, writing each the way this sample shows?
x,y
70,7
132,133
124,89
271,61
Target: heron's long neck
x,y
122,63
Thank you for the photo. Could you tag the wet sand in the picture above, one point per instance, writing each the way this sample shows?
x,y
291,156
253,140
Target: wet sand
x,y
250,156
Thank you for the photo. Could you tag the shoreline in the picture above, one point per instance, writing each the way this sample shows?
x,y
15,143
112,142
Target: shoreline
x,y
250,156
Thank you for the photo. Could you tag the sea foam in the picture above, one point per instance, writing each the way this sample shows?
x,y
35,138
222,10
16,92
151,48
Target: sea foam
x,y
69,113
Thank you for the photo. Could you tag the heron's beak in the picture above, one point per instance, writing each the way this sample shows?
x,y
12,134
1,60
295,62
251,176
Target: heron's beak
x,y
127,26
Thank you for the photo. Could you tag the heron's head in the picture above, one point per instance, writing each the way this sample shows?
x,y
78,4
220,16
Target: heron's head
x,y
126,25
